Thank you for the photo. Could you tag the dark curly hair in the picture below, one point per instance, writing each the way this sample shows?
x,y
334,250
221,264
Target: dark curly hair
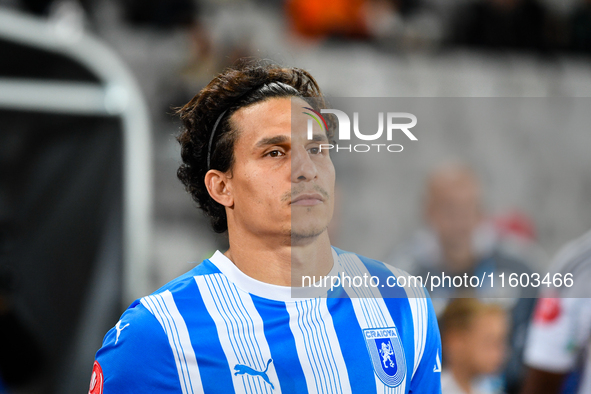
x,y
244,84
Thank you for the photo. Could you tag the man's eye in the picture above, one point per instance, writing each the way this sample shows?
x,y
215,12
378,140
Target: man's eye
x,y
275,153
314,151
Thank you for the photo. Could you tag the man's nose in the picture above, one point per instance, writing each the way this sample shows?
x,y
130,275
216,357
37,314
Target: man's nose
x,y
302,166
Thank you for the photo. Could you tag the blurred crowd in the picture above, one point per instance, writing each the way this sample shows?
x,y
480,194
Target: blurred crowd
x,y
459,238
400,25
404,24
496,338
217,33
407,24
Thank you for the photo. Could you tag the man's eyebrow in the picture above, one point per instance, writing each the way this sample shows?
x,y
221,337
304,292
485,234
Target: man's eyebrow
x,y
319,138
276,140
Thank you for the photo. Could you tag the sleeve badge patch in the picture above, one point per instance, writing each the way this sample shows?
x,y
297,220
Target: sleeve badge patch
x,y
96,380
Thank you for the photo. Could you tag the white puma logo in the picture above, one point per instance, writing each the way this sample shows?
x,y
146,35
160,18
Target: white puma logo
x,y
119,329
437,367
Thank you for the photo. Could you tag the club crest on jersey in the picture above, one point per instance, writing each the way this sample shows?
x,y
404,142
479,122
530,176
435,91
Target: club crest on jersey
x,y
386,353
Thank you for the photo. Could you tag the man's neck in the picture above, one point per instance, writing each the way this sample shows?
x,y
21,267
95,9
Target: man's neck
x,y
279,262
312,259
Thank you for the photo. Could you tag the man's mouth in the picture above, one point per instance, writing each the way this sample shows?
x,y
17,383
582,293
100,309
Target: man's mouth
x,y
308,199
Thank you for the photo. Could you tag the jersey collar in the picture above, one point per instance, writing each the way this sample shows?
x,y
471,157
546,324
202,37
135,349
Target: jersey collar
x,y
267,290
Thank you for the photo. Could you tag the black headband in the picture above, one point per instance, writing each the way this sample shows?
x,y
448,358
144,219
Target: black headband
x,y
215,126
211,138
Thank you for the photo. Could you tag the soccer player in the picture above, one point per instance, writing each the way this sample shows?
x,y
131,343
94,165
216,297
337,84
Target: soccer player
x,y
231,325
559,338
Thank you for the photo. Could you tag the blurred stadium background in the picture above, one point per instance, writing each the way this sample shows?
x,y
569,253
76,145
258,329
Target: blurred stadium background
x,y
91,213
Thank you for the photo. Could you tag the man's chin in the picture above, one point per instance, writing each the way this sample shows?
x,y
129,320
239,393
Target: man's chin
x,y
305,236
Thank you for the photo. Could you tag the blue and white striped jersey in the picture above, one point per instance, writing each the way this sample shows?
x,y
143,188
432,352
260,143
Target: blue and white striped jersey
x,y
216,330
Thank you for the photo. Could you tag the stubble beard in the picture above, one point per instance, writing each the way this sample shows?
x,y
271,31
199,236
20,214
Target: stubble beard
x,y
306,233
306,236
310,233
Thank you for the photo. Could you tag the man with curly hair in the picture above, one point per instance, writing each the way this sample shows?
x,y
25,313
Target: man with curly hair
x,y
232,324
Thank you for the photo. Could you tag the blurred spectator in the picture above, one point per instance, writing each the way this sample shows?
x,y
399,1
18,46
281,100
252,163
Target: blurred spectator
x,y
393,23
559,338
473,336
505,24
458,240
332,18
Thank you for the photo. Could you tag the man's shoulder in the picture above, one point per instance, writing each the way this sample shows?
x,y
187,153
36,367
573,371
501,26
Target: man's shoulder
x,y
144,328
137,334
178,284
136,355
393,283
138,318
142,310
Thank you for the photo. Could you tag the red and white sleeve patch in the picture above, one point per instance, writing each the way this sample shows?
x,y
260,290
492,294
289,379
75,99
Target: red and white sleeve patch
x,y
96,380
547,310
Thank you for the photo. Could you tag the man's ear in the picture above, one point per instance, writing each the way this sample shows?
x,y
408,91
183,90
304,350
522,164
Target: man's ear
x,y
218,185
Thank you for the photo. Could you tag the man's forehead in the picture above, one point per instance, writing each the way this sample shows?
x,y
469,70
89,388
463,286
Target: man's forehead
x,y
269,119
305,122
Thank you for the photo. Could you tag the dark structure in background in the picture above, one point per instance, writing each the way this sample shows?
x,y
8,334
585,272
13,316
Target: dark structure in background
x,y
74,201
43,7
505,24
580,22
60,220
165,14
21,356
61,213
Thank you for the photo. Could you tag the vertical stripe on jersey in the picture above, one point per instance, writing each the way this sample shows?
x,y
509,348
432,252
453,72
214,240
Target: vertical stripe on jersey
x,y
163,307
417,299
282,344
240,331
359,366
216,377
317,346
370,309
